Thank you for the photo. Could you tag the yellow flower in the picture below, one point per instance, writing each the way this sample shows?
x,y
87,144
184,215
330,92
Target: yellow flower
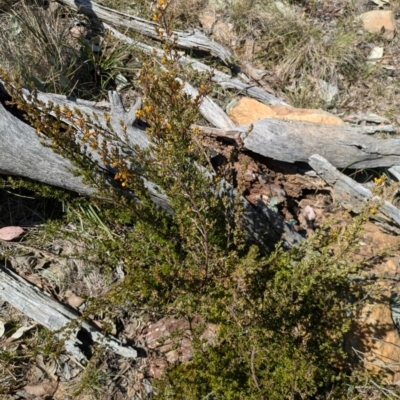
x,y
155,17
380,180
107,117
160,2
372,210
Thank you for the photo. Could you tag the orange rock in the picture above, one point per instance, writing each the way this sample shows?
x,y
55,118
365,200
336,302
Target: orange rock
x,y
374,21
247,110
375,340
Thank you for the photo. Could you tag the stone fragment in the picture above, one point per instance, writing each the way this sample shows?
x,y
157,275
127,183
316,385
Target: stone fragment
x,y
375,340
327,91
247,110
78,31
249,176
380,21
309,213
72,299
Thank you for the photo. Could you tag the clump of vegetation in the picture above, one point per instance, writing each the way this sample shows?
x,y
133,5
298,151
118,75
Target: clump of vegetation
x,y
281,317
52,54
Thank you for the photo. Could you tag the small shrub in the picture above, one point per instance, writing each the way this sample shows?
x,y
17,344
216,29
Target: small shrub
x,y
281,318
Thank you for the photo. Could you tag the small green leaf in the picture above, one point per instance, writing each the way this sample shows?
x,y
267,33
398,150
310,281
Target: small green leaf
x,y
292,222
39,84
120,80
273,202
64,81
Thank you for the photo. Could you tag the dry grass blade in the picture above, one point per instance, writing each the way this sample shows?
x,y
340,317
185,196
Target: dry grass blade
x,y
37,44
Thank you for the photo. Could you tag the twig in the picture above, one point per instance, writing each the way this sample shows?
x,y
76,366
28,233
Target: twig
x,y
253,374
22,245
383,390
358,352
231,134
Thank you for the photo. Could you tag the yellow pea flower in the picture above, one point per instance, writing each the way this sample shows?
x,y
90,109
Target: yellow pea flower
x,y
380,180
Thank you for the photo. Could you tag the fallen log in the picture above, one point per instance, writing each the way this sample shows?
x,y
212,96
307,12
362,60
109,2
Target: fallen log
x,y
192,40
296,141
20,149
53,315
353,196
211,111
222,79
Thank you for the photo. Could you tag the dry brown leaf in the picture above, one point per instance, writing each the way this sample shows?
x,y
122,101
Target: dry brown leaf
x,y
35,279
73,300
19,332
10,232
46,388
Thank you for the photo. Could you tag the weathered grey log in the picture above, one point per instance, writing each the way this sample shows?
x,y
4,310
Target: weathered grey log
x,y
48,312
367,117
296,141
395,171
210,110
371,129
16,136
222,79
227,82
352,195
193,40
22,154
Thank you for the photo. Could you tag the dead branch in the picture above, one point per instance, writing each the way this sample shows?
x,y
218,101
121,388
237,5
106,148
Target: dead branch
x,y
53,315
192,40
354,196
222,79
